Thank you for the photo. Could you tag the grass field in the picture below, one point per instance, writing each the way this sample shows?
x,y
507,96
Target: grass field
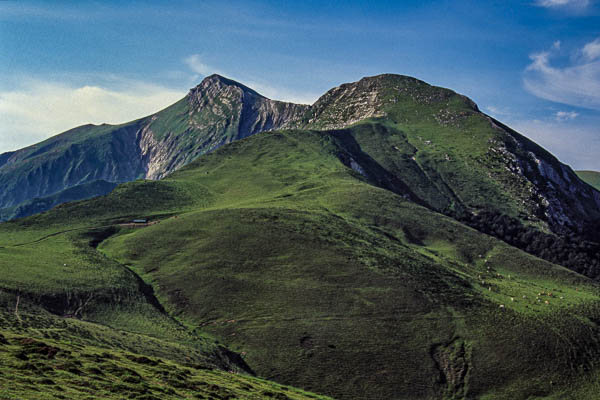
x,y
44,357
321,274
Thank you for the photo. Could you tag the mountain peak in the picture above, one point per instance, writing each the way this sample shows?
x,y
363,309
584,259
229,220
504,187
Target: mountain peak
x,y
219,82
379,96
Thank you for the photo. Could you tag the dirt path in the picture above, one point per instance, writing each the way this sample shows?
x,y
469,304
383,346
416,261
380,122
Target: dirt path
x,y
127,225
58,233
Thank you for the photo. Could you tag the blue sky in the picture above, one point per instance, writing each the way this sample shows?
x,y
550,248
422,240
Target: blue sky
x,y
533,64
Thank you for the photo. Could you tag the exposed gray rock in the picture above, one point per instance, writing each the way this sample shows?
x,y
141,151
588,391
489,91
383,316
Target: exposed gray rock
x,y
219,111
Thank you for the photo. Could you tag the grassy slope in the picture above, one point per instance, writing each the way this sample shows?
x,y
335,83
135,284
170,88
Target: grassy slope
x,y
54,267
44,357
279,250
384,282
590,177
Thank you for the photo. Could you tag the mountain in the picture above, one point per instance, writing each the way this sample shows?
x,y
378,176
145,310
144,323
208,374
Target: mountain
x,y
354,253
455,160
471,161
592,178
289,253
213,113
447,155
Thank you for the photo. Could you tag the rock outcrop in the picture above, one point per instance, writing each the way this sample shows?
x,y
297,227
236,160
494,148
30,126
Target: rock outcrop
x,y
216,112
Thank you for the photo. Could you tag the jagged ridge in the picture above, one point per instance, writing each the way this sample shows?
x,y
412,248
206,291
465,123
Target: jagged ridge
x,y
458,159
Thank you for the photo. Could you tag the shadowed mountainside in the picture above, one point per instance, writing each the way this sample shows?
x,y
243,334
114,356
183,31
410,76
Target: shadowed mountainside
x,y
215,112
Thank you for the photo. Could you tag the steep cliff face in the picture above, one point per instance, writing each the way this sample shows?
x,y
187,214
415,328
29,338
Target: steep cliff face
x,y
214,113
554,191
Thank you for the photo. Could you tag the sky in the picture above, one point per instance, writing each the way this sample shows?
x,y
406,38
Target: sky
x,y
532,64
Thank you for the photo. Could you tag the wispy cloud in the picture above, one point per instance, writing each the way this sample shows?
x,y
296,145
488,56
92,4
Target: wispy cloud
x,y
562,116
38,109
580,4
577,84
591,51
197,65
496,111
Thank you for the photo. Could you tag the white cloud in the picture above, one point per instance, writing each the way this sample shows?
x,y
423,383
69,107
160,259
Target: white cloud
x,y
498,111
195,63
565,115
577,84
38,109
591,51
563,3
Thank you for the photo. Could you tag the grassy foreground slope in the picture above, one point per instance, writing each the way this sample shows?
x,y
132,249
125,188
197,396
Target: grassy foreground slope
x,y
44,357
52,278
297,250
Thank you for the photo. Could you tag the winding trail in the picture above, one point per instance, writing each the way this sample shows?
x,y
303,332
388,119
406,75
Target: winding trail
x,y
58,233
127,224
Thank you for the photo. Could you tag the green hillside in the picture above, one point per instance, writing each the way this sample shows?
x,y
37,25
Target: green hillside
x,y
310,254
44,357
590,177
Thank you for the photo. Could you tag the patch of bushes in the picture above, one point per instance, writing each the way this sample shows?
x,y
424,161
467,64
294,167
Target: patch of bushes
x,y
572,250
